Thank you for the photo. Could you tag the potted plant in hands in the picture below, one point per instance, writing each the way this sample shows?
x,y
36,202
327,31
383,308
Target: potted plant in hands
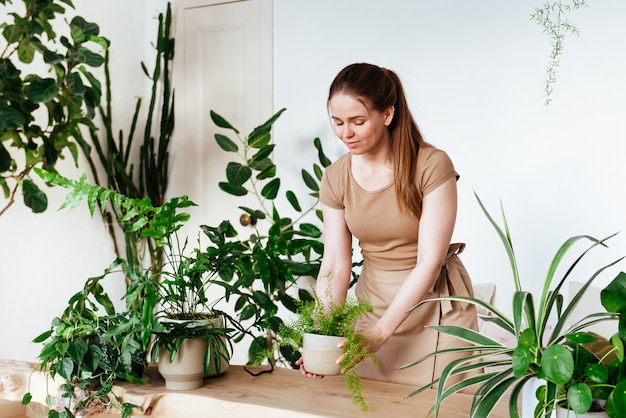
x,y
319,329
540,352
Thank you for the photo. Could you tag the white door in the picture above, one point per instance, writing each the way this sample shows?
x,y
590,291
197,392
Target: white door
x,y
223,62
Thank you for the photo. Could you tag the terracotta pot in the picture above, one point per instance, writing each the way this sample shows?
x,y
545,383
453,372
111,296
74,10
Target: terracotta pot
x,y
320,354
186,371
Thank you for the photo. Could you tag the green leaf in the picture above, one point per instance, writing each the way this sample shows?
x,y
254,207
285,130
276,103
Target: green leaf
x,y
77,351
221,122
613,296
260,140
291,198
237,174
88,57
557,363
34,198
65,368
233,190
597,372
270,190
261,155
324,160
310,182
579,398
521,359
267,172
5,158
226,143
41,90
27,398
580,338
310,230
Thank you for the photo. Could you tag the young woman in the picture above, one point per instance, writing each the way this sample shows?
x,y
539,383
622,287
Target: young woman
x,y
397,195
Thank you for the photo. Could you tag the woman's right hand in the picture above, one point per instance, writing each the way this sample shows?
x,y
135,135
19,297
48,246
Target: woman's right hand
x,y
300,362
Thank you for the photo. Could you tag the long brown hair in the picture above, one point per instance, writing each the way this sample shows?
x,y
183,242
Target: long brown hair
x,y
381,88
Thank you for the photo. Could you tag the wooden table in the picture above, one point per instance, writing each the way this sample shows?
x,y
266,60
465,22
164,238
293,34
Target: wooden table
x,y
286,393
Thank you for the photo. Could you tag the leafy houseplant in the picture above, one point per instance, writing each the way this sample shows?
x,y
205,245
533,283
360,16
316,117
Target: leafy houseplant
x,y
337,322
90,350
600,369
68,94
181,288
540,352
281,249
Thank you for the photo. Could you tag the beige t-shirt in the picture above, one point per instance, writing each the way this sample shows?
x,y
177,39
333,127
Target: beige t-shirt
x,y
387,235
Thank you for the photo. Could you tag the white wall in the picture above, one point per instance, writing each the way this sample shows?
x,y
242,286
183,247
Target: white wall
x,y
473,72
45,258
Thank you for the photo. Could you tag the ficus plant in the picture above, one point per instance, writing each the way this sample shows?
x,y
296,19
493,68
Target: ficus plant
x,y
546,350
281,249
47,92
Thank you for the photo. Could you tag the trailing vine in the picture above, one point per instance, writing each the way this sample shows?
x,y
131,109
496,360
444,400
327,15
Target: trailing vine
x,y
552,17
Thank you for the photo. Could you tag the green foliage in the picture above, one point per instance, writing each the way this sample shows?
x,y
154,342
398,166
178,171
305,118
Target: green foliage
x,y
315,317
281,250
90,349
552,17
179,289
557,355
114,151
65,91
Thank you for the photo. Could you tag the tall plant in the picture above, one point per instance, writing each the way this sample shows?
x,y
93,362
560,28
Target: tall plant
x,y
64,89
540,351
117,156
290,248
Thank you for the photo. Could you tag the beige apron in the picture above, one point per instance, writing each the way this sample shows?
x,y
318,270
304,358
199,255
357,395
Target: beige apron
x,y
412,340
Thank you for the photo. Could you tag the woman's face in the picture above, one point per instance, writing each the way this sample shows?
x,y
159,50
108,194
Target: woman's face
x,y
362,129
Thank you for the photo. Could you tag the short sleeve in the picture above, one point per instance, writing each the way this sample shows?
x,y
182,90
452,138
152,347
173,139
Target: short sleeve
x,y
333,185
434,168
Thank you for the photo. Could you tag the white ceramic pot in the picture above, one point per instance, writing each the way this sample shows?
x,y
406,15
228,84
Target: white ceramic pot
x,y
320,354
565,413
186,371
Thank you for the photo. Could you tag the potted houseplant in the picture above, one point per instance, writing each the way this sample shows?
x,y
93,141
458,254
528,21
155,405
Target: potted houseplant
x,y
597,386
189,317
540,351
281,249
183,280
319,328
90,346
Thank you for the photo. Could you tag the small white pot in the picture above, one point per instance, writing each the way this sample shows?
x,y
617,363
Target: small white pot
x,y
320,354
565,413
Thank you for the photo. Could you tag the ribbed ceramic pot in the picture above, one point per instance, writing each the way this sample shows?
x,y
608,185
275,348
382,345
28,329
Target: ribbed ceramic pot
x,y
186,371
320,354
